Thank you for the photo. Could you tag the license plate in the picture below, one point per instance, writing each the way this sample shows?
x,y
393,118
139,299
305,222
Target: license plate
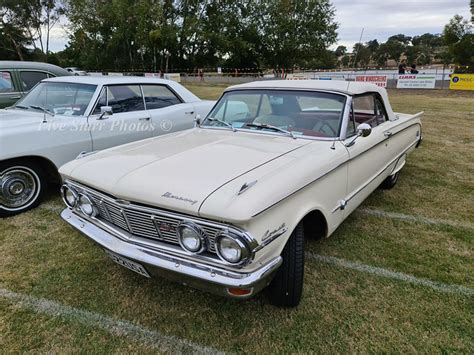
x,y
131,265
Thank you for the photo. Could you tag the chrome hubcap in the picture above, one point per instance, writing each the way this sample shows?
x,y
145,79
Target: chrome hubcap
x,y
18,187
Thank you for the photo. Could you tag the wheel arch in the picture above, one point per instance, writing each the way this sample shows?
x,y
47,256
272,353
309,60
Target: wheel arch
x,y
315,224
49,168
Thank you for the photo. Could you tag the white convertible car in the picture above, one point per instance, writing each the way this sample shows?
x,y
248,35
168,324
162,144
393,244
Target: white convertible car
x,y
62,117
226,210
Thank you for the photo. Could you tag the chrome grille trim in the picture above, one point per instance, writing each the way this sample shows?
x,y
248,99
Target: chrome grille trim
x,y
150,223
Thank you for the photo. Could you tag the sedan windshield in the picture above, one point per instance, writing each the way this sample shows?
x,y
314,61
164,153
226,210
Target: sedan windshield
x,y
69,99
286,112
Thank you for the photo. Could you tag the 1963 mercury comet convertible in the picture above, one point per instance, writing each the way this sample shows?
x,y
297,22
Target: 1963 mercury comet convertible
x,y
227,209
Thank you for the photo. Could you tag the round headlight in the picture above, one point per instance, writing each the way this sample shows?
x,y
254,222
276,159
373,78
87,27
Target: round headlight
x,y
191,238
69,196
86,206
231,248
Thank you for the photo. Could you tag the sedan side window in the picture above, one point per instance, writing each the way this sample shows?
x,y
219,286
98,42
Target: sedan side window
x,y
125,98
159,96
31,78
6,84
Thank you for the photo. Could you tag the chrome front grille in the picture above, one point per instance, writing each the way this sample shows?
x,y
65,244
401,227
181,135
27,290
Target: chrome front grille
x,y
155,225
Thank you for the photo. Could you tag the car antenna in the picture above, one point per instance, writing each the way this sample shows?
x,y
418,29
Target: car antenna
x,y
354,63
44,118
333,147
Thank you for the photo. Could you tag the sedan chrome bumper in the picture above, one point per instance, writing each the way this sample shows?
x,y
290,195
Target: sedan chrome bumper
x,y
195,274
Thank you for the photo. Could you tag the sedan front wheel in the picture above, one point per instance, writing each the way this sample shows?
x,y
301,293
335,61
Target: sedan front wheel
x,y
21,187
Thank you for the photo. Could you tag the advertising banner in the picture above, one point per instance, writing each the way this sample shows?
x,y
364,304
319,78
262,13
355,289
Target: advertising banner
x,y
172,76
157,75
461,82
416,81
379,80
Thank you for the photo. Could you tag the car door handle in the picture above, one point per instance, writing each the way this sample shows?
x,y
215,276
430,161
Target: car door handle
x,y
387,133
189,112
16,97
144,118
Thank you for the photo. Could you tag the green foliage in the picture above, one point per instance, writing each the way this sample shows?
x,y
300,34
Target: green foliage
x,y
340,50
26,22
151,34
458,36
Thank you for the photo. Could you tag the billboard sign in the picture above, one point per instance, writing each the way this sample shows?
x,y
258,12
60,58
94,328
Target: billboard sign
x,y
379,80
461,82
416,81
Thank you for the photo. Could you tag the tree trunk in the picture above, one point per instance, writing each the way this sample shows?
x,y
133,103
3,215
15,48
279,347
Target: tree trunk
x,y
48,28
17,47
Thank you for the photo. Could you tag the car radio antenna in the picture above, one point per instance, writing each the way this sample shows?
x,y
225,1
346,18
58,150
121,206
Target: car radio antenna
x,y
354,62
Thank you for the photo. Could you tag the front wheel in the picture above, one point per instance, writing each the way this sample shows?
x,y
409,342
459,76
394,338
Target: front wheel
x,y
22,186
286,288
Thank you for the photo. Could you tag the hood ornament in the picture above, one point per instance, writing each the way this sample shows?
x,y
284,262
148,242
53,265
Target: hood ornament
x,y
246,186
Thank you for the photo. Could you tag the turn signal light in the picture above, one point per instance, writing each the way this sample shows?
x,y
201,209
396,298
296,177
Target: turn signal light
x,y
239,292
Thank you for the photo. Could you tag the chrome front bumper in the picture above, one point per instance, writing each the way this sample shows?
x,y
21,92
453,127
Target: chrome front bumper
x,y
195,274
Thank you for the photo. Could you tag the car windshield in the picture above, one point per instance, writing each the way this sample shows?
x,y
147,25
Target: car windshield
x,y
286,112
69,99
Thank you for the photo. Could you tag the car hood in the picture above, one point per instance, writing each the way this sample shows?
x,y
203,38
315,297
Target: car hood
x,y
180,170
14,117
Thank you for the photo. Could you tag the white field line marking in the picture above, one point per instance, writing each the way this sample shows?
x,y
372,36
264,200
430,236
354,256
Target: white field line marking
x,y
411,218
437,286
120,328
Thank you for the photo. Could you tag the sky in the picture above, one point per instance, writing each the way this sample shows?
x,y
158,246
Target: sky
x,y
382,19
379,18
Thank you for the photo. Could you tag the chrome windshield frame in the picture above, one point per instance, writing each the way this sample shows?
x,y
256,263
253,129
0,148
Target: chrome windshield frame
x,y
343,121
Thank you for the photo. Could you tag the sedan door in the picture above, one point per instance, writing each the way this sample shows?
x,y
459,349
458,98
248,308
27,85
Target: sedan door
x,y
128,122
169,112
369,156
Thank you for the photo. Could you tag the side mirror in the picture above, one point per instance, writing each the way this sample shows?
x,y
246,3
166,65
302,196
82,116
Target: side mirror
x,y
364,130
198,120
105,111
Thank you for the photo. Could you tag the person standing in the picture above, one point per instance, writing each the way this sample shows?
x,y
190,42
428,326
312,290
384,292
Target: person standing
x,y
413,69
402,68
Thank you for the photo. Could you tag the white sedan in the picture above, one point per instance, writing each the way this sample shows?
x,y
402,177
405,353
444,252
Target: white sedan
x,y
63,117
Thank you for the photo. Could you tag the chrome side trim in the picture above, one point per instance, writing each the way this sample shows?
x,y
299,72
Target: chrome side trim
x,y
352,195
333,169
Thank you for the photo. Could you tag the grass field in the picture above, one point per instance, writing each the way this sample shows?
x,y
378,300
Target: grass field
x,y
344,308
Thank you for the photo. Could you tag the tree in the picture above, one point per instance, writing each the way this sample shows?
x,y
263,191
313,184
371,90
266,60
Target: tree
x,y
340,51
472,11
394,49
31,17
372,46
361,54
428,39
400,38
345,61
458,36
457,28
128,34
295,31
